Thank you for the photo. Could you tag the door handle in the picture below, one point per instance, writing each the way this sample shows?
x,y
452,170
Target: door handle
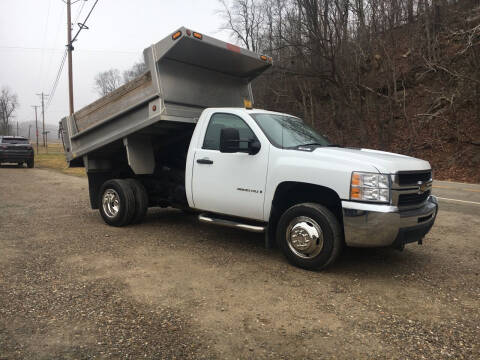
x,y
205,161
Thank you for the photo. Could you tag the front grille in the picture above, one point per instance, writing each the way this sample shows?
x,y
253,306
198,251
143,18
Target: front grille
x,y
412,199
414,178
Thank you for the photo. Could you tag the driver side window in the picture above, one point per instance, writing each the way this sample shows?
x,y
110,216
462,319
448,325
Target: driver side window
x,y
218,122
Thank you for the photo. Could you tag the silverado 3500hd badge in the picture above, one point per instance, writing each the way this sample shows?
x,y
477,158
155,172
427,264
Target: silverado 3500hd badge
x,y
250,190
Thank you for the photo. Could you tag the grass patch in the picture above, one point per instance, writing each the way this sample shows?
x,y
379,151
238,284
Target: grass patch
x,y
54,158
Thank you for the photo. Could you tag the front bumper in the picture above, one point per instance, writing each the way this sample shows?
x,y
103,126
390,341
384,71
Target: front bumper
x,y
373,225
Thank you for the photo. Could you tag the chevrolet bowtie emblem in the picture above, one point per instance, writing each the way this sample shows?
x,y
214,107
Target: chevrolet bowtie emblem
x,y
423,186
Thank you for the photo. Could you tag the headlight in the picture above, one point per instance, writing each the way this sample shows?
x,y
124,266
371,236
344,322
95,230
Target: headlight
x,y
370,187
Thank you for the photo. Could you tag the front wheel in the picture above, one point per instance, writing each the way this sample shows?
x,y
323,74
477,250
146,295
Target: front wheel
x,y
117,202
31,163
310,236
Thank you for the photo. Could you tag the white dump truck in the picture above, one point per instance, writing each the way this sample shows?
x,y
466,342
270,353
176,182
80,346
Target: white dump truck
x,y
185,135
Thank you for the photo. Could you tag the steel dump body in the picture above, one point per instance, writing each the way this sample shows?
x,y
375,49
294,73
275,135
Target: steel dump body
x,y
185,75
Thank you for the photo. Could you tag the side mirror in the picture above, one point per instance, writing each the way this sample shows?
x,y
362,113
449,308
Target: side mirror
x,y
229,140
254,147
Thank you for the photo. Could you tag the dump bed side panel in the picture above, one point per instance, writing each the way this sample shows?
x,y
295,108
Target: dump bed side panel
x,y
133,93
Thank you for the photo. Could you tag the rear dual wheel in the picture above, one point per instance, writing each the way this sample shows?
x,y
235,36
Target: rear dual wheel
x,y
123,202
141,200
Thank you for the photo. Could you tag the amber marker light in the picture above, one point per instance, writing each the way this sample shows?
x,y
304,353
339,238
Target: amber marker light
x,y
355,193
198,36
355,189
264,58
176,35
355,179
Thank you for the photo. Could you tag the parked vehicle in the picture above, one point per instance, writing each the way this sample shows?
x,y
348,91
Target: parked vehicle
x,y
16,149
184,134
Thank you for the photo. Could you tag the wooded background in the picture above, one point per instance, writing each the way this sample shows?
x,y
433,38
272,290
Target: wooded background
x,y
399,75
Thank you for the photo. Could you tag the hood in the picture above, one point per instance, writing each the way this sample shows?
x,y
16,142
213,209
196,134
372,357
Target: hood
x,y
384,162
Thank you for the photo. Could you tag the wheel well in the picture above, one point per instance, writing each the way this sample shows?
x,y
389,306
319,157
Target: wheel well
x,y
289,193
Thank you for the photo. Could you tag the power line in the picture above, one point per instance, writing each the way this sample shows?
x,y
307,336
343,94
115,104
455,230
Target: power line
x,y
61,50
83,25
69,48
62,63
80,10
57,79
55,40
41,72
58,30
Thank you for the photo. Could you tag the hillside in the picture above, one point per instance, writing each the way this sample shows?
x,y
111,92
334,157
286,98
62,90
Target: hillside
x,y
403,84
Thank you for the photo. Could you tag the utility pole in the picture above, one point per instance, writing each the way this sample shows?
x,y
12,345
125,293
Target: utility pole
x,y
46,140
43,117
29,127
36,123
17,127
69,51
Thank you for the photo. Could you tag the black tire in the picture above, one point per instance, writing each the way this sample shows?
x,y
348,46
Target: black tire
x,y
31,163
330,228
141,200
126,202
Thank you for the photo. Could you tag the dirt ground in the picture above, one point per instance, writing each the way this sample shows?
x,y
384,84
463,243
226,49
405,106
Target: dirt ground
x,y
72,287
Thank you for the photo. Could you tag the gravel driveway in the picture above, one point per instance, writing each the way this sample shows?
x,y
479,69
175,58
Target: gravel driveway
x,y
172,288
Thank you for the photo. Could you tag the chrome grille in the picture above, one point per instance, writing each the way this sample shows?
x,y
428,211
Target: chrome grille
x,y
412,178
412,199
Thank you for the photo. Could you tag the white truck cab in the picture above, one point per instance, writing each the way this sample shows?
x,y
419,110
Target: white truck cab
x,y
378,198
162,140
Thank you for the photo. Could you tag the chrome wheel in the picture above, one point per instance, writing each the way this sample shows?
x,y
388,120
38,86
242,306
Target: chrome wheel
x,y
111,203
304,237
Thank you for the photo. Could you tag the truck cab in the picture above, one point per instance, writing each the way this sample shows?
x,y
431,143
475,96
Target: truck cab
x,y
162,140
256,165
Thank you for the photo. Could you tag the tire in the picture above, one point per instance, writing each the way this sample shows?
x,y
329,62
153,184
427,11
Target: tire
x,y
116,202
310,221
31,163
141,200
189,212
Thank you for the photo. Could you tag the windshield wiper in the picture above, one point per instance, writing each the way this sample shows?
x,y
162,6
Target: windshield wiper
x,y
311,144
334,145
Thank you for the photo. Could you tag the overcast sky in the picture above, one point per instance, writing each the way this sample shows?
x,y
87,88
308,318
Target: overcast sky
x,y
33,38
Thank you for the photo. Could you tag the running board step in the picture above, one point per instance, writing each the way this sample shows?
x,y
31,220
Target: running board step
x,y
230,223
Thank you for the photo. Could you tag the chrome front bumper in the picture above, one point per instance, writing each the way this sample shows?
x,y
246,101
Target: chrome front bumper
x,y
372,225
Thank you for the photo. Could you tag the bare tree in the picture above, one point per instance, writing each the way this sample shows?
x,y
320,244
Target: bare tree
x,y
107,81
8,105
357,64
245,18
135,71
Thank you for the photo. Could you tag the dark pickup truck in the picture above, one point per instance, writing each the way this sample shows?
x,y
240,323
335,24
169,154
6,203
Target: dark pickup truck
x,y
16,149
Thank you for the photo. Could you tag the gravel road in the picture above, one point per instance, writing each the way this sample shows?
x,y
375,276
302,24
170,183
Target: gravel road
x,y
72,287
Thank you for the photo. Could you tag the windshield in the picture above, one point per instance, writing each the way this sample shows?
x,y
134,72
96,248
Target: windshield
x,y
287,131
14,141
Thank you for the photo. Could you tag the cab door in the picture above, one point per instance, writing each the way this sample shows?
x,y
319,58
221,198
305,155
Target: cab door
x,y
229,183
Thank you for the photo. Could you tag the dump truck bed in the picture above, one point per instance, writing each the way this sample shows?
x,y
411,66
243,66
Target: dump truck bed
x,y
187,72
